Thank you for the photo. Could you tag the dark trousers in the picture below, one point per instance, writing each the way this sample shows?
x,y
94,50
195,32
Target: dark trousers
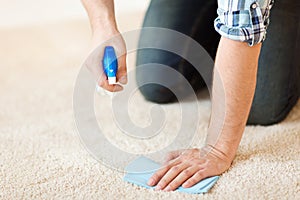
x,y
277,89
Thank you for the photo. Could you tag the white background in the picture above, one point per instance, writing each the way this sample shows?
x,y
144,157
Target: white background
x,y
27,12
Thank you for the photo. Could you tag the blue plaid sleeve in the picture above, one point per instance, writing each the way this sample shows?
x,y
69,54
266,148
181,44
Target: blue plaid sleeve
x,y
243,20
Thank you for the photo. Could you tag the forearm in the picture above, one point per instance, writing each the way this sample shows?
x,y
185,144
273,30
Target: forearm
x,y
233,90
101,14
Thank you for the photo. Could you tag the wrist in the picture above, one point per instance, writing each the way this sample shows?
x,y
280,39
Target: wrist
x,y
225,141
223,145
227,152
104,31
101,13
212,150
108,35
103,25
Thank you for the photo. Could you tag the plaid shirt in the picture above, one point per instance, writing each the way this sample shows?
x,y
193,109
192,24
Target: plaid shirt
x,y
243,20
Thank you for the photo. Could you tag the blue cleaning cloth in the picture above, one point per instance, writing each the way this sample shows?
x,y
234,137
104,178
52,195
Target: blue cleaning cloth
x,y
141,169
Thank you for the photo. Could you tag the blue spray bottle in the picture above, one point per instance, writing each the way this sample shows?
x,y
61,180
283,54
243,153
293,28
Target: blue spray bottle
x,y
110,64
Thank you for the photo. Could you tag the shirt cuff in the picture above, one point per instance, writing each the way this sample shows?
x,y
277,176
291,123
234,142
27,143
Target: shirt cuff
x,y
245,25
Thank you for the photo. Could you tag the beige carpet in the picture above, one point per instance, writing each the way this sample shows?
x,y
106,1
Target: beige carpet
x,y
41,156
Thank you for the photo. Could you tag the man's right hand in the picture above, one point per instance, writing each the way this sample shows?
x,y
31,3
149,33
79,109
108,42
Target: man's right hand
x,y
105,33
114,39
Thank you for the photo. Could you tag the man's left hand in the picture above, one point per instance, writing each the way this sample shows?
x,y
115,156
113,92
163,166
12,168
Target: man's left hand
x,y
187,167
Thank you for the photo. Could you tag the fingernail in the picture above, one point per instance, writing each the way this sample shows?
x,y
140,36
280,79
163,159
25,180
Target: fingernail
x,y
185,185
123,80
158,188
150,182
167,189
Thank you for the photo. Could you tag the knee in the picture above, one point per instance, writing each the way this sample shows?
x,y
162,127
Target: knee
x,y
272,112
157,93
265,119
164,77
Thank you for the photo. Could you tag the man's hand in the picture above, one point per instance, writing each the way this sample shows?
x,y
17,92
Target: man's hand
x,y
112,38
105,33
187,167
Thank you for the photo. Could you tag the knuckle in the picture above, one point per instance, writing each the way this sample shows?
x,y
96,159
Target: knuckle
x,y
154,177
175,168
110,89
205,164
183,157
192,181
168,158
154,180
163,182
195,150
199,175
173,185
187,172
101,83
194,161
165,169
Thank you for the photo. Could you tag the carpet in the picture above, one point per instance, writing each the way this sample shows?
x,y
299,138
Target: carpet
x,y
41,154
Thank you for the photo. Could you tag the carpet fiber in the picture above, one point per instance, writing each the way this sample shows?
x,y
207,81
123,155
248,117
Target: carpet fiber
x,y
41,156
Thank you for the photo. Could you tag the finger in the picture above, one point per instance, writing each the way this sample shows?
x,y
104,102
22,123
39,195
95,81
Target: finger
x,y
181,178
172,155
195,179
155,178
92,64
170,175
103,82
122,70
